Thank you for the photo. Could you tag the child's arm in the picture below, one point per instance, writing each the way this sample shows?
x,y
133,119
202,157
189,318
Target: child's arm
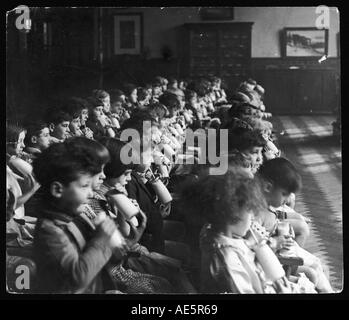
x,y
33,186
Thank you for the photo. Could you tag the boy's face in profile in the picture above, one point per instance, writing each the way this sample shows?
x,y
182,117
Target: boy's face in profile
x,y
74,125
84,115
43,139
61,130
156,91
115,107
106,104
98,179
277,196
133,96
124,178
98,112
76,193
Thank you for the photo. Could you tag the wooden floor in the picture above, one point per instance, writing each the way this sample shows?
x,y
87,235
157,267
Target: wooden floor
x,y
308,142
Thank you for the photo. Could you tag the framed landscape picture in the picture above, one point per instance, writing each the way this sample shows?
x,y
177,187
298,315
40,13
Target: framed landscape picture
x,y
305,42
128,33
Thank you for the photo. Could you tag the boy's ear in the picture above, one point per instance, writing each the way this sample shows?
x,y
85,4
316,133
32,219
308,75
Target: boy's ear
x,y
56,189
51,126
34,140
267,186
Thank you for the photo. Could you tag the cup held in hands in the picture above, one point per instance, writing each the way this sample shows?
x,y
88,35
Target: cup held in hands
x,y
125,206
161,191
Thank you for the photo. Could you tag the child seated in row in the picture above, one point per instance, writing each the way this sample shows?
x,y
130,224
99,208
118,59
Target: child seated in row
x,y
218,95
86,131
70,259
58,122
249,144
74,106
37,137
143,97
96,121
21,184
130,91
148,268
104,98
228,264
279,178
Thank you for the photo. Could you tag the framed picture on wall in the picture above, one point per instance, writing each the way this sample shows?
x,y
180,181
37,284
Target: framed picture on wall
x,y
128,33
305,42
217,13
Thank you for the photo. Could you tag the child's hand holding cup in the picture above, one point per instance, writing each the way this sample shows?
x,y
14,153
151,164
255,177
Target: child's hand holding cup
x,y
108,229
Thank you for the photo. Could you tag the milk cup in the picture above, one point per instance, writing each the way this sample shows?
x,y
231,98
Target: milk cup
x,y
168,151
270,263
117,240
161,191
24,167
125,205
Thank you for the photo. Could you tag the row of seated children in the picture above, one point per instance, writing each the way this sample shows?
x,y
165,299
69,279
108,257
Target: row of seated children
x,y
80,179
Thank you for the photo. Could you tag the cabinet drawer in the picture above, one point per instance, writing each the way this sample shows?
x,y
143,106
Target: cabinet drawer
x,y
236,52
232,72
202,71
203,61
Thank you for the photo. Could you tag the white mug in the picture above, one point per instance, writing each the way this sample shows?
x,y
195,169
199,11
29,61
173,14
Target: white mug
x,y
117,239
168,151
23,166
179,129
269,262
125,205
163,170
161,191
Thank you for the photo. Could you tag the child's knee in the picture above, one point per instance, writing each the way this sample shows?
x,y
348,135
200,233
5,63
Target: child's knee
x,y
310,273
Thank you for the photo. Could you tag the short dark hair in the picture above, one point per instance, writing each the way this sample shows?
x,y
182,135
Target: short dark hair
x,y
136,121
73,106
157,109
282,173
57,115
64,162
170,100
115,167
93,102
33,129
160,79
156,83
172,80
98,150
100,94
142,93
128,88
115,94
189,94
242,138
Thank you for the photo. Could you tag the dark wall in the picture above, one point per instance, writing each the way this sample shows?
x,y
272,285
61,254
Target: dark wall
x,y
68,64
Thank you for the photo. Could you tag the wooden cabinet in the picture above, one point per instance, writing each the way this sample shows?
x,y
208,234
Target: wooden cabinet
x,y
299,91
216,48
